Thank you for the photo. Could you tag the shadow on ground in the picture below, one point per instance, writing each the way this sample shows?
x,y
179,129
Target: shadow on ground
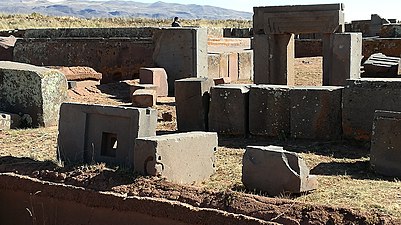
x,y
118,91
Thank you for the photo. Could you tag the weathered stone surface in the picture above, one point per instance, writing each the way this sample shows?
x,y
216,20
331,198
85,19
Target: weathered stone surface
x,y
308,48
390,31
156,76
117,59
98,133
135,87
143,98
78,73
380,65
9,121
224,65
182,52
269,110
7,48
316,112
35,91
228,113
387,46
213,65
182,158
214,32
192,103
360,100
275,171
227,32
245,65
233,66
385,155
324,18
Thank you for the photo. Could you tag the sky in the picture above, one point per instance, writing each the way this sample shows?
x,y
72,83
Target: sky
x,y
354,9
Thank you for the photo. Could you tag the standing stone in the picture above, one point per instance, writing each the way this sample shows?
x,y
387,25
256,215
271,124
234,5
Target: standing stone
x,y
275,171
316,112
99,133
181,158
233,66
269,110
245,65
213,65
192,103
35,91
228,112
385,149
224,65
155,76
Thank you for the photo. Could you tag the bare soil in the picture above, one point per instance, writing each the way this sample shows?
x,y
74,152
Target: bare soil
x,y
349,192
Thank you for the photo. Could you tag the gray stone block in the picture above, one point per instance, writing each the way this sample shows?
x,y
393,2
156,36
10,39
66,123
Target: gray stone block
x,y
316,112
360,100
32,90
182,158
385,149
228,113
213,65
269,110
275,171
98,133
9,121
245,65
192,103
380,65
182,52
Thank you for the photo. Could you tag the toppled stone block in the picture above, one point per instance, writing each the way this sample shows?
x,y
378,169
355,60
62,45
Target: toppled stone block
x,y
380,65
276,171
360,100
99,133
32,90
155,76
222,80
316,112
78,73
144,98
228,112
385,149
269,110
192,103
182,158
9,121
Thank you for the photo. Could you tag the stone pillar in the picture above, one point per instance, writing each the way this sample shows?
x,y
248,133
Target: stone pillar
x,y
274,59
342,54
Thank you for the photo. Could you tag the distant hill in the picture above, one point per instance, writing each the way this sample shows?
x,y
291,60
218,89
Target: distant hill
x,y
119,8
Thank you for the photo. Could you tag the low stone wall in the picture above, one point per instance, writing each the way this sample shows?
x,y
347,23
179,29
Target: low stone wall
x,y
29,201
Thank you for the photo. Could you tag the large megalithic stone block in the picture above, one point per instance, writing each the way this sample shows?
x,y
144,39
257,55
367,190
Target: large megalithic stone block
x,y
192,96
31,90
99,133
275,171
269,110
360,100
181,158
316,112
155,76
228,113
385,149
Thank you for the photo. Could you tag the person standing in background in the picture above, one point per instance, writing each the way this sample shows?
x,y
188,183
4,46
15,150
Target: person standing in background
x,y
176,23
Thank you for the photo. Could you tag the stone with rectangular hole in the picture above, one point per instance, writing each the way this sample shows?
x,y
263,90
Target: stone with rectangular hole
x,y
269,110
385,149
99,133
182,158
316,112
228,113
275,171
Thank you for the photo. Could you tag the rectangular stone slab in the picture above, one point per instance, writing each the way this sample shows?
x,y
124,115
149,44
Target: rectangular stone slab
x,y
385,149
99,133
181,158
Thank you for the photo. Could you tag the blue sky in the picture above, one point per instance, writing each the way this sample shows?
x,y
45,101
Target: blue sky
x,y
354,9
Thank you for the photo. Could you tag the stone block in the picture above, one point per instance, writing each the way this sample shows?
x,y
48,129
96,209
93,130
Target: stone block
x,y
276,171
78,73
155,76
143,98
35,91
233,66
116,58
228,113
98,133
9,121
182,52
181,158
390,31
227,32
192,103
7,48
135,87
385,155
387,46
245,65
269,110
222,80
308,48
380,65
213,65
360,100
224,65
316,112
